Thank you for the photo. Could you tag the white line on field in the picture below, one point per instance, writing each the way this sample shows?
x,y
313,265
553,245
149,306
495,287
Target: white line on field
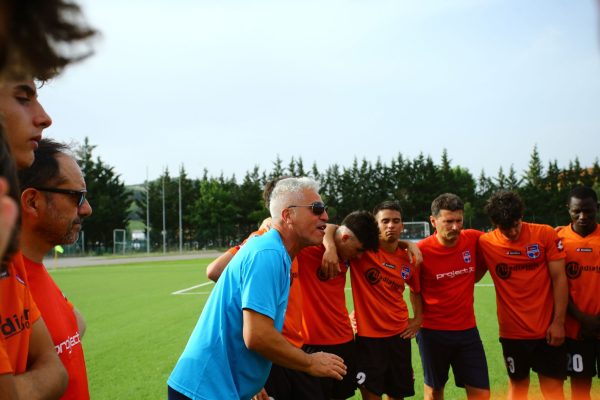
x,y
187,290
182,294
182,291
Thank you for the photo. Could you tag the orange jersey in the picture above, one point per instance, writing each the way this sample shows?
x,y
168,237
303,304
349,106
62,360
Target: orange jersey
x,y
325,316
378,280
447,277
292,324
61,322
583,273
5,366
18,313
522,280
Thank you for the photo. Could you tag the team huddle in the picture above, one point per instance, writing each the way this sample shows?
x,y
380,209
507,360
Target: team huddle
x,y
290,277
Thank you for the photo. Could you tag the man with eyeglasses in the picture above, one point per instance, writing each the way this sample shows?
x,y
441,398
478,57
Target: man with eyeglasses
x,y
238,335
53,206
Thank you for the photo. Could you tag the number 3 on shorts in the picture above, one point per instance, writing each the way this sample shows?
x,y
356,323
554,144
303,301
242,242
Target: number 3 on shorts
x,y
510,363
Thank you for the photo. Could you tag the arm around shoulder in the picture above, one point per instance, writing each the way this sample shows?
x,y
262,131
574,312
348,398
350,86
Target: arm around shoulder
x,y
216,268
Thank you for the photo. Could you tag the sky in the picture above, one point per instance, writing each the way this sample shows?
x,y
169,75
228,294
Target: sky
x,y
225,85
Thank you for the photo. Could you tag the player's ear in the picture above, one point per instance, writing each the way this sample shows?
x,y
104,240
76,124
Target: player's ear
x,y
30,201
286,215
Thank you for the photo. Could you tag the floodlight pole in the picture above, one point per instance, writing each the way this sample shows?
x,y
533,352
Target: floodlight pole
x,y
164,231
147,214
180,224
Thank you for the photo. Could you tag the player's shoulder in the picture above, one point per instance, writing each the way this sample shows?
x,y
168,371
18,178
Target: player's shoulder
x,y
539,229
472,234
427,242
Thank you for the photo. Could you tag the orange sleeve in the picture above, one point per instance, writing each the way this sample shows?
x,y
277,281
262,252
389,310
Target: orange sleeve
x,y
5,367
292,324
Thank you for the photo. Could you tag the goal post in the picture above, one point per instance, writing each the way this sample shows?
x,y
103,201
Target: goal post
x,y
119,241
416,231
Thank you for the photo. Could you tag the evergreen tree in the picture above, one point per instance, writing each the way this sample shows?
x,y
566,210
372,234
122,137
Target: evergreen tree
x,y
107,196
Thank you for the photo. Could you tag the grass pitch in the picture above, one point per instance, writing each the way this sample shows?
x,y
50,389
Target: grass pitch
x,y
137,327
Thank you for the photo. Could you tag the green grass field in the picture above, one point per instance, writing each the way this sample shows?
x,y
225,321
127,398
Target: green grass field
x,y
136,327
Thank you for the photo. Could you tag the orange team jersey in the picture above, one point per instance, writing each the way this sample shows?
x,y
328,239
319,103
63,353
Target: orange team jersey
x,y
60,319
18,313
325,316
520,272
447,277
378,280
5,367
292,324
583,273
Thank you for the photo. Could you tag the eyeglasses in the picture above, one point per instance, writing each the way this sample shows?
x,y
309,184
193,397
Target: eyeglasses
x,y
79,193
317,207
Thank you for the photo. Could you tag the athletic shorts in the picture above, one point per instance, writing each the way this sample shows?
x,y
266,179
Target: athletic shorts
x,y
384,366
173,394
332,388
461,350
288,384
584,357
521,355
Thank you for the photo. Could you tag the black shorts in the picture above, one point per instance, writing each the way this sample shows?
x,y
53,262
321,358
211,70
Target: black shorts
x,y
584,357
173,394
461,350
384,366
332,388
288,384
521,355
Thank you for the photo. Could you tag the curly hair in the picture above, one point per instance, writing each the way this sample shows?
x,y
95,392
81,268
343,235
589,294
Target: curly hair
x,y
504,208
8,171
38,37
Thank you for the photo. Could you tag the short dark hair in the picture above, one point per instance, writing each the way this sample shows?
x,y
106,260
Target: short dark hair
x,y
45,169
388,205
582,192
364,226
446,201
37,35
8,170
504,208
269,186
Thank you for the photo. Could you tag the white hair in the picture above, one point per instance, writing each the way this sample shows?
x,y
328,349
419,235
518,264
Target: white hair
x,y
290,191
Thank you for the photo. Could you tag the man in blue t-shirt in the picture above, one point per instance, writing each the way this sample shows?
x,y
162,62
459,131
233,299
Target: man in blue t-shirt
x,y
238,335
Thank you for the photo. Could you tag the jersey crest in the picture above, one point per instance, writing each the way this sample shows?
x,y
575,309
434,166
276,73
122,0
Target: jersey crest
x,y
405,272
466,256
533,251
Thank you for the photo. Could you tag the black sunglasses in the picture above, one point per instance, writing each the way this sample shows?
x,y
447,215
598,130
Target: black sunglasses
x,y
317,207
79,193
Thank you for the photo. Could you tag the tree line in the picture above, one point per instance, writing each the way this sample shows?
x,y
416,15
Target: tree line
x,y
218,211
